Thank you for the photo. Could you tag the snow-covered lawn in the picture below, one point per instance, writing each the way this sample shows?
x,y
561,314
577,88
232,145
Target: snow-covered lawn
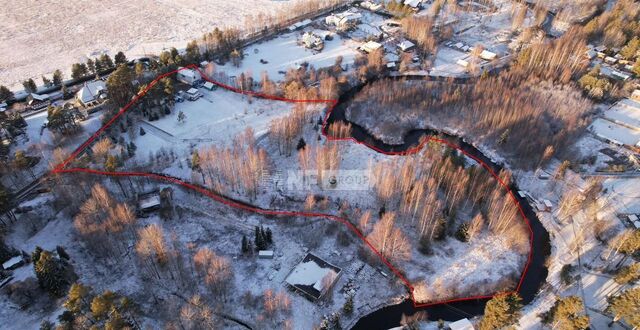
x,y
284,52
220,115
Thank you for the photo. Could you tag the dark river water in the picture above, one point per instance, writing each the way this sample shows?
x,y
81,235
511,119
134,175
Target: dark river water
x,y
388,317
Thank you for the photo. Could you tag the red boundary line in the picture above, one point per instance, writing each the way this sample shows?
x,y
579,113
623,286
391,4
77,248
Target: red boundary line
x,y
61,168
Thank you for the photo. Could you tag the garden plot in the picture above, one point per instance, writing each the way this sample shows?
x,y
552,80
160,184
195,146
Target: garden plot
x,y
284,52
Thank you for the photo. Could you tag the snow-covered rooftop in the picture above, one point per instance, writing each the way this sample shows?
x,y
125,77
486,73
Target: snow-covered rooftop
x,y
313,276
12,262
91,90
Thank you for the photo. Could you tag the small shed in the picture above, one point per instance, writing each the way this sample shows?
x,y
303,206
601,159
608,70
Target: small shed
x,y
462,63
265,254
149,201
487,55
192,94
13,263
209,85
547,205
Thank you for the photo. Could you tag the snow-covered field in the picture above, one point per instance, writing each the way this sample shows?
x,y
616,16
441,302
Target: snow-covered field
x,y
38,37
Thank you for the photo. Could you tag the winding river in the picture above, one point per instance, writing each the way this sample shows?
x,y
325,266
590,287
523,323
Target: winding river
x,y
390,316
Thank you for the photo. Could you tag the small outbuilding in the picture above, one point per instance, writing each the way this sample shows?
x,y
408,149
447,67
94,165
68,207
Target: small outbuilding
x,y
265,254
209,85
487,55
13,263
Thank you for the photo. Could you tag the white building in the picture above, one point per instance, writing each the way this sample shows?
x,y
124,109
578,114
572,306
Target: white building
x,y
344,20
370,5
487,55
406,45
370,46
188,76
265,254
92,93
312,41
462,63
414,4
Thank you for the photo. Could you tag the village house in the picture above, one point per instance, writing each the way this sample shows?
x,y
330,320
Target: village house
x,y
313,277
312,41
92,93
188,76
38,101
344,21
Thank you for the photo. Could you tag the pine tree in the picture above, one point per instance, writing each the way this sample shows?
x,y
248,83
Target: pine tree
x,y
501,311
626,306
35,255
142,132
50,273
78,70
5,94
462,233
195,161
301,144
91,66
348,306
30,86
46,81
258,240
120,58
57,78
62,253
245,245
47,325
628,274
269,236
111,163
567,313
78,298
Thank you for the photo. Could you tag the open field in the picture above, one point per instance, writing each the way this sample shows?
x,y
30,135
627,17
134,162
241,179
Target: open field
x,y
65,32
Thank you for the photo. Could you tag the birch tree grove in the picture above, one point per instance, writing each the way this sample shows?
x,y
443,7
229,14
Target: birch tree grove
x,y
103,223
240,167
389,240
215,270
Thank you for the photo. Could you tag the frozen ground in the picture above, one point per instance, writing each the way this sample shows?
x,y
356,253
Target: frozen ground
x,y
38,37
